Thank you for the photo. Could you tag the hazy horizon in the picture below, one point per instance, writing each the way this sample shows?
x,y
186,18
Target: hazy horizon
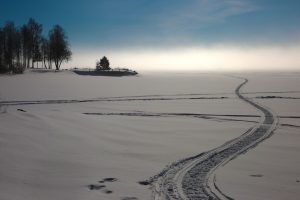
x,y
213,58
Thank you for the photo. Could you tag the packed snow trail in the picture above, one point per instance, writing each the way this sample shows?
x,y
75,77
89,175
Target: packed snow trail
x,y
192,178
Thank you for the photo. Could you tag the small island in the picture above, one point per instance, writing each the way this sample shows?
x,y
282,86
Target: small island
x,y
103,69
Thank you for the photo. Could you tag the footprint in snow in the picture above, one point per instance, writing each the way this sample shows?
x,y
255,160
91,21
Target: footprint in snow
x,y
129,198
107,191
256,175
95,187
108,180
144,182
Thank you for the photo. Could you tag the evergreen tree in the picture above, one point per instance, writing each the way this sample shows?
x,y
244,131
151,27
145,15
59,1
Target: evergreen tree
x,y
103,64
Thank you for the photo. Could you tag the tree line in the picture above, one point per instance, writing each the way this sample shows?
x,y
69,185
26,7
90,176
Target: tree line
x,y
25,47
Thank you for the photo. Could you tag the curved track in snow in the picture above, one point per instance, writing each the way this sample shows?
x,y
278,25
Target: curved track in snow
x,y
192,178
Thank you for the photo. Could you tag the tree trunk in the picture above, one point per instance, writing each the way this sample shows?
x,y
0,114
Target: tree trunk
x,y
28,62
44,61
56,65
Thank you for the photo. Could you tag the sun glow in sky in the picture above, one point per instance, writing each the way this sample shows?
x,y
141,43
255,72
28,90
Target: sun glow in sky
x,y
216,58
172,34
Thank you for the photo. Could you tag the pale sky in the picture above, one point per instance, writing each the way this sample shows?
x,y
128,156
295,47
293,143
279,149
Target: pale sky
x,y
172,34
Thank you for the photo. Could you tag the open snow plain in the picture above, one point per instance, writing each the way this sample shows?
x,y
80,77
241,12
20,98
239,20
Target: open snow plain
x,y
65,136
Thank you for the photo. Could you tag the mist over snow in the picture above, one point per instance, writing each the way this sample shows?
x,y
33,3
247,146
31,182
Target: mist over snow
x,y
203,58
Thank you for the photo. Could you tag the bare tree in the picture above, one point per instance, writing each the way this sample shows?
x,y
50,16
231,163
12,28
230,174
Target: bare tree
x,y
59,46
22,47
9,44
35,34
45,52
10,48
26,45
2,67
17,48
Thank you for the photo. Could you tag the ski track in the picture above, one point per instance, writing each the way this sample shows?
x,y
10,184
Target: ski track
x,y
219,118
113,99
215,117
191,96
193,178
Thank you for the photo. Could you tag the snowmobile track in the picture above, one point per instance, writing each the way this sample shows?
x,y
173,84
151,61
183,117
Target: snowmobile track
x,y
193,178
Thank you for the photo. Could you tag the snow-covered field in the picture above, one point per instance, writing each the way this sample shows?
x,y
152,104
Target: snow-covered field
x,y
63,134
